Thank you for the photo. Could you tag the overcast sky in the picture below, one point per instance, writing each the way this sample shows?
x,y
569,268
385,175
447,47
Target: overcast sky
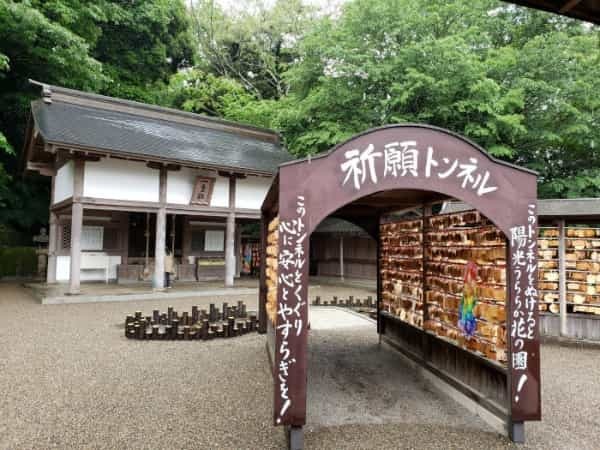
x,y
326,6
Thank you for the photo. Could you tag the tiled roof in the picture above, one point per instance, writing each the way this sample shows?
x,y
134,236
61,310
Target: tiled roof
x,y
188,138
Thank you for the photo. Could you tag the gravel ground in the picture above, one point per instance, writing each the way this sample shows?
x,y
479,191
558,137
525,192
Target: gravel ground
x,y
69,379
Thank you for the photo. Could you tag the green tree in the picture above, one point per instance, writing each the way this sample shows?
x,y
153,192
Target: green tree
x,y
254,45
141,44
33,46
196,91
5,147
521,83
117,47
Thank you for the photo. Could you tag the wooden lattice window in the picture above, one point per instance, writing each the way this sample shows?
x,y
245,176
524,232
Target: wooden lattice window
x,y
65,238
202,191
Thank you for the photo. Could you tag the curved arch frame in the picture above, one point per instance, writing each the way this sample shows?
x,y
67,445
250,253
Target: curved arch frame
x,y
411,158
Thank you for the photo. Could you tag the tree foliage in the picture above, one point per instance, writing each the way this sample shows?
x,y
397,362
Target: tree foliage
x,y
521,83
117,47
254,45
194,90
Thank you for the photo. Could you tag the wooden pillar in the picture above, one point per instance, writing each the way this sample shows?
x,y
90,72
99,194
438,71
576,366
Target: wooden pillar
x,y
238,250
124,227
52,238
52,247
342,257
230,236
562,278
158,281
173,222
262,286
76,228
185,239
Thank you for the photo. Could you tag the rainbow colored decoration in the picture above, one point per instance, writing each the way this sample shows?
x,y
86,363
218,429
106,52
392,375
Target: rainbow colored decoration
x,y
247,259
466,310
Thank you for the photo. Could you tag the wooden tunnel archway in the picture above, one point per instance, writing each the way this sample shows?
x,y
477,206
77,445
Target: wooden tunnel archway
x,y
387,169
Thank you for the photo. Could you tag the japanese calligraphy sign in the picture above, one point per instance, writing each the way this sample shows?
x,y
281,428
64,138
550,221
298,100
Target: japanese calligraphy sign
x,y
291,308
524,337
411,163
409,159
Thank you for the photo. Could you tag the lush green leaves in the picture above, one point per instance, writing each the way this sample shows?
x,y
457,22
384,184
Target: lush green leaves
x,y
521,83
196,91
117,47
253,45
142,43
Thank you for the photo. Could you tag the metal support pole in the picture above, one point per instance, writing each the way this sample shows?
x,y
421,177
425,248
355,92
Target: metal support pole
x,y
295,438
517,432
562,278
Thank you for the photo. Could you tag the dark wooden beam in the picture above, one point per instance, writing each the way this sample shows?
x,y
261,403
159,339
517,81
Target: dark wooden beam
x,y
568,6
158,166
45,169
224,173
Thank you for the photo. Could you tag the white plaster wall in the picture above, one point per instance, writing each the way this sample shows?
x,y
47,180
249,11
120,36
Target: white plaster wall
x,y
180,187
250,192
63,183
63,270
220,195
120,180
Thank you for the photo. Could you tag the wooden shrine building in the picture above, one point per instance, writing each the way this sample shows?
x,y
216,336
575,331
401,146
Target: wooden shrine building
x,y
131,181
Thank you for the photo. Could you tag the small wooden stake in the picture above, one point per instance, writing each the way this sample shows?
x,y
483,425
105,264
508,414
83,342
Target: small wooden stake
x,y
224,311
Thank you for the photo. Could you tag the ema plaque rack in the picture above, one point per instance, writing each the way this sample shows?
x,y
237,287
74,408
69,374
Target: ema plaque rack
x,y
448,279
271,268
204,325
581,261
350,302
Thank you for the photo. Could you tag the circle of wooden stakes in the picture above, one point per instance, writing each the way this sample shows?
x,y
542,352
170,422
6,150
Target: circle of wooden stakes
x,y
230,321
